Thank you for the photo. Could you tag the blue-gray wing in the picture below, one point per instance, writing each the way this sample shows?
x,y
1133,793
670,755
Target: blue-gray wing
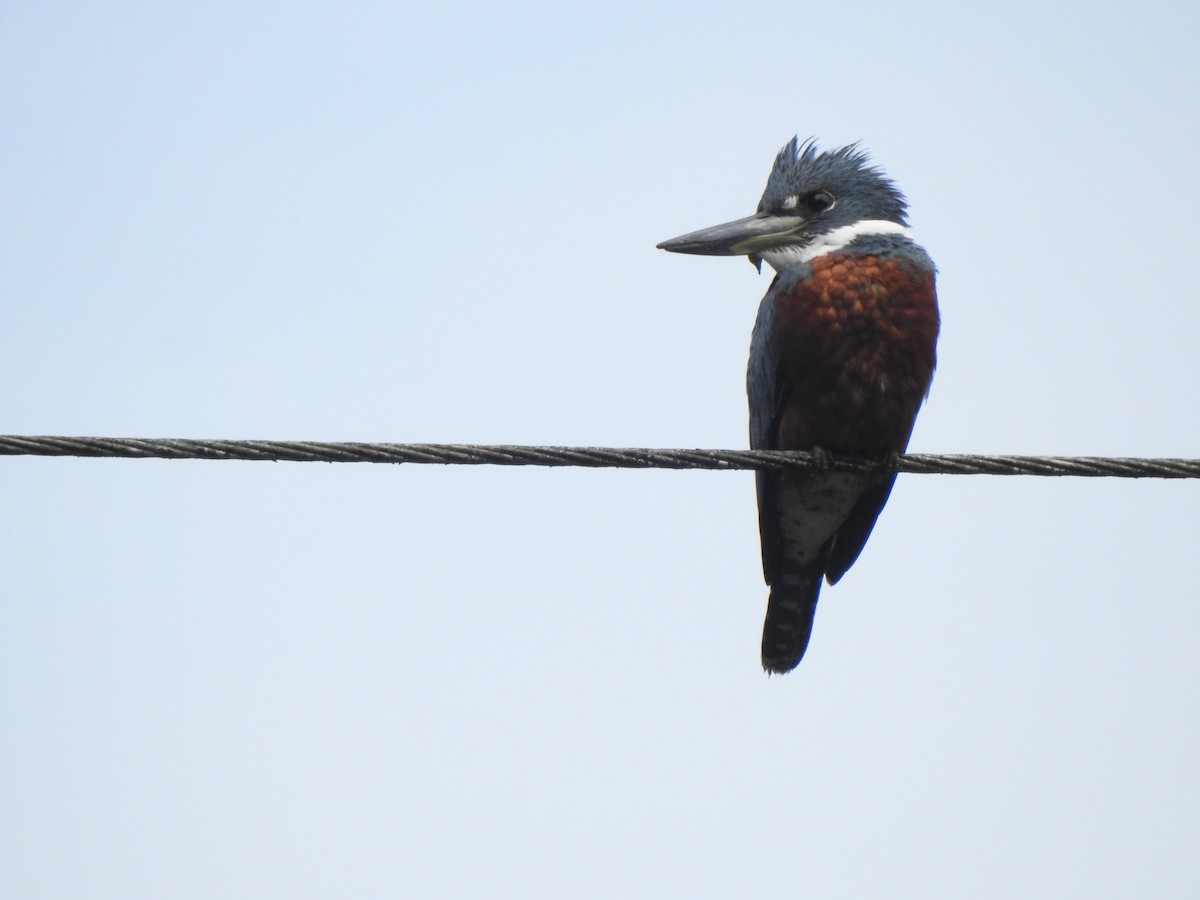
x,y
762,377
764,390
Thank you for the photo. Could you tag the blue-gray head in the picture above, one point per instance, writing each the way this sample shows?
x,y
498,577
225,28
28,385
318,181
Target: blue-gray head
x,y
813,202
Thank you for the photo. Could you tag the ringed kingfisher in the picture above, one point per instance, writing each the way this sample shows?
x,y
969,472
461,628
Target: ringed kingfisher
x,y
841,357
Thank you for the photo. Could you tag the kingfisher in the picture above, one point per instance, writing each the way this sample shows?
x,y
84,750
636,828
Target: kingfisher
x,y
841,357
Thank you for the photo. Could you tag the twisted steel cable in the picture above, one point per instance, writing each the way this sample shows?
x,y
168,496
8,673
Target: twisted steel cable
x,y
594,457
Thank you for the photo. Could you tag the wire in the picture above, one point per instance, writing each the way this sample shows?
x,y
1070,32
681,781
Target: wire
x,y
595,457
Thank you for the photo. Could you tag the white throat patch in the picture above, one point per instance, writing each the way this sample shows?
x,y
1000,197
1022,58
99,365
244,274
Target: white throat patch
x,y
779,258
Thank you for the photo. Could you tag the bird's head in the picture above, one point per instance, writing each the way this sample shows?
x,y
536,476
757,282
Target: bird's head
x,y
810,199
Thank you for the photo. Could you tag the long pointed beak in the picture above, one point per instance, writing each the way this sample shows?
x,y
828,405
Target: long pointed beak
x,y
743,237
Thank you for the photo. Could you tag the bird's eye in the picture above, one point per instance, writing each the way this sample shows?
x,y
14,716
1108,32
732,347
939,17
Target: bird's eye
x,y
819,201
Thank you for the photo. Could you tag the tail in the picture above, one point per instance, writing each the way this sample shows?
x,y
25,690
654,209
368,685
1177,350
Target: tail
x,y
789,620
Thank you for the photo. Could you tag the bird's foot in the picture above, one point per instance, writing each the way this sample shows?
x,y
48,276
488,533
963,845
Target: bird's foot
x,y
821,458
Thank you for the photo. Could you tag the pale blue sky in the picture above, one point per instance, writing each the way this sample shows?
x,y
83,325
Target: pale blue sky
x,y
436,222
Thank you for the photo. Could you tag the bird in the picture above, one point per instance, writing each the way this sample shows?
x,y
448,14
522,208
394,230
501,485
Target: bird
x,y
842,356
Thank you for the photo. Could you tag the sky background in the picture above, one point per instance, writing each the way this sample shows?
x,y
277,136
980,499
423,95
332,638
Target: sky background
x,y
436,222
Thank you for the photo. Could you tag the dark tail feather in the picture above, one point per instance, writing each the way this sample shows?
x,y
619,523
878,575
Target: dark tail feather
x,y
789,621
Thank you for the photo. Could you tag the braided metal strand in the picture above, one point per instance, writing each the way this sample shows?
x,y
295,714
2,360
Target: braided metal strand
x,y
595,457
